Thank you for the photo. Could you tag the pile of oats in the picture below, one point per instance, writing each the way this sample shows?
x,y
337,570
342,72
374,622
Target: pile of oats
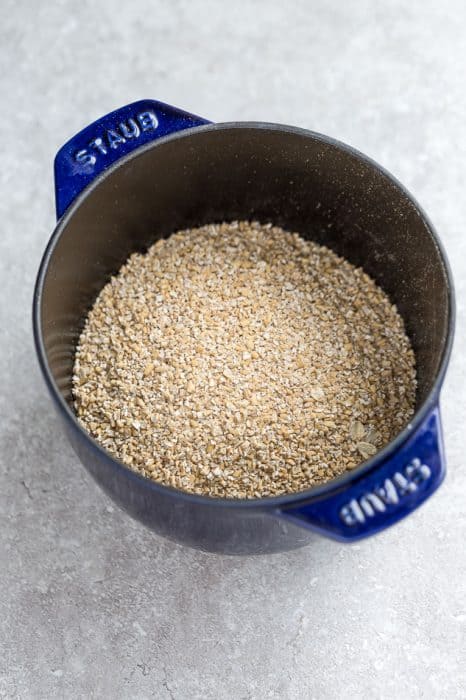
x,y
240,361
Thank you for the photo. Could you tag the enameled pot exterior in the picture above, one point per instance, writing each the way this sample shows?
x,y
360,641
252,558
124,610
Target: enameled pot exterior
x,y
146,170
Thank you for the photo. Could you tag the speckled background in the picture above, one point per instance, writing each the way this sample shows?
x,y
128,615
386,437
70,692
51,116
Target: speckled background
x,y
94,606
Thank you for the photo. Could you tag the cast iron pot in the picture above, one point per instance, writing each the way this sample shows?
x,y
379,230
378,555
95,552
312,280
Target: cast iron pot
x,y
148,169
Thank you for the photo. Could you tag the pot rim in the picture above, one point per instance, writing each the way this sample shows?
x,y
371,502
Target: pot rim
x,y
314,493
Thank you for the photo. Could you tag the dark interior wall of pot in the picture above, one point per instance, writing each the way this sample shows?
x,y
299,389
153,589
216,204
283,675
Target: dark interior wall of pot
x,y
229,172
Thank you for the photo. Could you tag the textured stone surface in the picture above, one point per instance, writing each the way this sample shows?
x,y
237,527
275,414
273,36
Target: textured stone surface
x,y
92,605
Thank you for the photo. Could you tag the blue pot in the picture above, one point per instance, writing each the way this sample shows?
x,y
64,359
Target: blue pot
x,y
148,169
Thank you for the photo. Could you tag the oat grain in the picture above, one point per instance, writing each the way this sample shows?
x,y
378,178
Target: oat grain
x,y
238,360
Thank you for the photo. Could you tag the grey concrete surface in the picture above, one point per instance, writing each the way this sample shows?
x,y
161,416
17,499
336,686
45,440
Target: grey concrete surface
x,y
91,604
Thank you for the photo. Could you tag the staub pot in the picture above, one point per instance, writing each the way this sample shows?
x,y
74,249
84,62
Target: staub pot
x,y
148,169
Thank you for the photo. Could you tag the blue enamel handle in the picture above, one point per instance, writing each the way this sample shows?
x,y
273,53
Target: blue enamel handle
x,y
380,498
108,139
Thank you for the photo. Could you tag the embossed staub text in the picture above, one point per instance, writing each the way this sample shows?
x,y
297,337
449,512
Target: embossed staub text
x,y
386,496
112,139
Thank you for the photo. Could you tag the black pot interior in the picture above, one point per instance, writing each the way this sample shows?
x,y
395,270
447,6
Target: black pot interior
x,y
259,172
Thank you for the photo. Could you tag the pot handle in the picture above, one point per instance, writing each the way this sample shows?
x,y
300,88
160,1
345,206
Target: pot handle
x,y
374,501
108,139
